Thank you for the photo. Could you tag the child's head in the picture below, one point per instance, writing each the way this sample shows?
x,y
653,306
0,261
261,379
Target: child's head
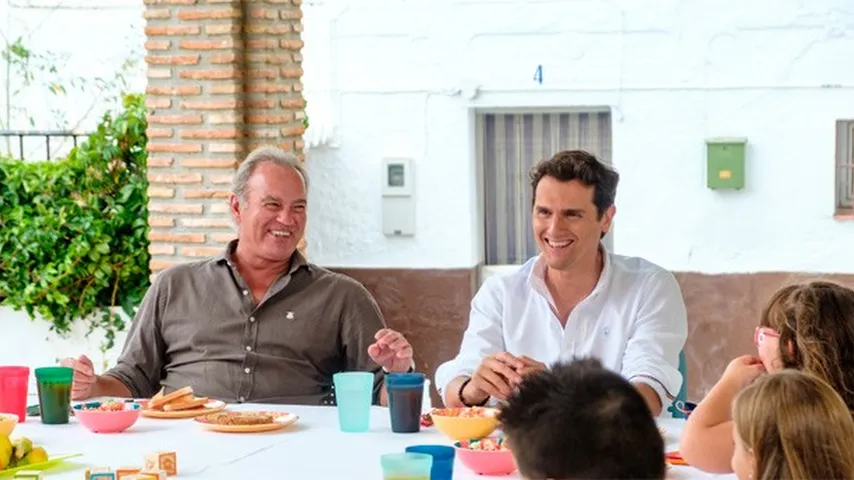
x,y
791,425
579,420
810,327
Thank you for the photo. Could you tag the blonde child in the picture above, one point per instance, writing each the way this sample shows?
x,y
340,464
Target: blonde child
x,y
792,425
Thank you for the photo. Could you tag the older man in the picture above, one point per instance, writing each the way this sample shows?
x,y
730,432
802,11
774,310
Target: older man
x,y
574,299
257,323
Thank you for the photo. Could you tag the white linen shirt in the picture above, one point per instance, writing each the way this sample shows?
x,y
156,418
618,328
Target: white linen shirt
x,y
634,321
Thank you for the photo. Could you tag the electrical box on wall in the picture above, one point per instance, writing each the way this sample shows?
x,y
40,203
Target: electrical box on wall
x,y
398,197
725,161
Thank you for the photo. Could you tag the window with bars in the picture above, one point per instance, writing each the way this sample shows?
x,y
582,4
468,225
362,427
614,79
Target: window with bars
x,y
845,166
508,145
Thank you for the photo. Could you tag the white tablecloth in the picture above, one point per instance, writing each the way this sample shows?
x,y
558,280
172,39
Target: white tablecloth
x,y
311,449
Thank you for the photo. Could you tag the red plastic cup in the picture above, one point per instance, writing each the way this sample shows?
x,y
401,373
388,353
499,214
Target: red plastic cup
x,y
13,391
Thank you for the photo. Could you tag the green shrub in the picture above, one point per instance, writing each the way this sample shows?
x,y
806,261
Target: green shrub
x,y
74,232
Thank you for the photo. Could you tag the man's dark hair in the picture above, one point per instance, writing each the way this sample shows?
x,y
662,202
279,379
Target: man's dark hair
x,y
578,420
580,165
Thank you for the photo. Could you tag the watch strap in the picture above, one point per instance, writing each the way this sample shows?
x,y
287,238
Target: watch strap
x,y
463,400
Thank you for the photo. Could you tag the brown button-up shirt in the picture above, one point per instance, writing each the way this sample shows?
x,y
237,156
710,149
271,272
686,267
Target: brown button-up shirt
x,y
199,326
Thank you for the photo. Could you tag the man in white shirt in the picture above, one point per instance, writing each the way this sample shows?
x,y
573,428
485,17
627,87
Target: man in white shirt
x,y
575,299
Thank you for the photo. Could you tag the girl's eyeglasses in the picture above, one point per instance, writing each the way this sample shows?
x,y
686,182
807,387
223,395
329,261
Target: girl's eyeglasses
x,y
761,333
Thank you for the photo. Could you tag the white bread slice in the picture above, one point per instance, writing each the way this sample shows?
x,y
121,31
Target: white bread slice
x,y
155,404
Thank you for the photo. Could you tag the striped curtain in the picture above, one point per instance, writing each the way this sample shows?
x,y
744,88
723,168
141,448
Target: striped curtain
x,y
509,145
845,164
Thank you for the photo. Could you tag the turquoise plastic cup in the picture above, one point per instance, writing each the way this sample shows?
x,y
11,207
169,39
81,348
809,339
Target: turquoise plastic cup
x,y
354,392
406,466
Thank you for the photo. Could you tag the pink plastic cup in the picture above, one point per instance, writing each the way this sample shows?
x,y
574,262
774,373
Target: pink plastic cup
x,y
13,391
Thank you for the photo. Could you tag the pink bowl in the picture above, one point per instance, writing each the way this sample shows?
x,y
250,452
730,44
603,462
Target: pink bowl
x,y
99,421
486,462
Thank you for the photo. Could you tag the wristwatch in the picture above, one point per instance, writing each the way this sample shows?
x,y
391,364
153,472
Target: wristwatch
x,y
463,400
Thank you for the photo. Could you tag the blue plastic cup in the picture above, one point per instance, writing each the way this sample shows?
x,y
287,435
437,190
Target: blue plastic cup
x,y
443,460
405,396
354,392
406,466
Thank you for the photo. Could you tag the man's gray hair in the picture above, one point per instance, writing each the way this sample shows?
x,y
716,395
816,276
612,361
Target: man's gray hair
x,y
262,155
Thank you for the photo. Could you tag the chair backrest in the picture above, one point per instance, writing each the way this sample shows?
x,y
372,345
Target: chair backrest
x,y
678,404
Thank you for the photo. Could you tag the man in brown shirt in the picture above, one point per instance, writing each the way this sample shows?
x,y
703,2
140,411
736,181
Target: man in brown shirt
x,y
257,323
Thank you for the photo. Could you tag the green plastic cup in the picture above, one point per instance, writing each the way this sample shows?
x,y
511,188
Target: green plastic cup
x,y
54,385
406,466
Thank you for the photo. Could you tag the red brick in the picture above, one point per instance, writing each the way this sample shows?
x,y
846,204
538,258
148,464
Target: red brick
x,y
225,88
158,45
172,59
268,88
291,72
219,207
262,13
297,87
260,103
221,179
297,57
262,43
211,134
158,73
152,132
159,265
201,251
298,144
219,74
263,133
294,45
175,177
297,27
208,163
293,103
269,58
229,104
161,249
160,161
200,14
156,13
175,119
176,237
207,222
172,31
170,2
268,73
154,102
221,237
225,58
174,147
293,131
161,221
224,29
294,14
186,90
175,208
225,148
278,29
227,118
161,192
270,119
225,44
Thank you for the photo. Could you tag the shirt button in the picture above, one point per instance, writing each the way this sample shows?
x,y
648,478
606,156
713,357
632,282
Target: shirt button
x,y
248,348
251,319
245,292
247,369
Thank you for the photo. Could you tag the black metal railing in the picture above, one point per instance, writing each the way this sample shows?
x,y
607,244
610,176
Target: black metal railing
x,y
22,141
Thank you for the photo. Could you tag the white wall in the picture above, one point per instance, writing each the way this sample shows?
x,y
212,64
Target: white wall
x,y
673,73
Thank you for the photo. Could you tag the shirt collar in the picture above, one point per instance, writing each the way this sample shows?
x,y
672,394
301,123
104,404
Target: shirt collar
x,y
537,276
298,260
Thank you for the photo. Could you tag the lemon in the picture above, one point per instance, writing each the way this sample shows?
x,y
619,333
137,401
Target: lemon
x,y
5,452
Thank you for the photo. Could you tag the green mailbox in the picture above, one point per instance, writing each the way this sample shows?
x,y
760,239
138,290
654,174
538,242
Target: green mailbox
x,y
725,161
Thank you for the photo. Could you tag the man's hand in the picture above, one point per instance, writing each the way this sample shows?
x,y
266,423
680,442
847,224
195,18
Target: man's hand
x,y
84,377
496,376
391,351
530,365
742,371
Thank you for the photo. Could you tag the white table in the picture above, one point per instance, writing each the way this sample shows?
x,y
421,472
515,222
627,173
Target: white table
x,y
312,449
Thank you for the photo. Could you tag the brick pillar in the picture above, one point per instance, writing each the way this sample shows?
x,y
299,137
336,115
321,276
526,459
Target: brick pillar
x,y
223,78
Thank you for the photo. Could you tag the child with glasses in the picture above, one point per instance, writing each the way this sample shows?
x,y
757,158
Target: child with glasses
x,y
792,425
808,327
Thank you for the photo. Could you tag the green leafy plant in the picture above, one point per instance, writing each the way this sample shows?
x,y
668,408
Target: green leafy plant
x,y
74,232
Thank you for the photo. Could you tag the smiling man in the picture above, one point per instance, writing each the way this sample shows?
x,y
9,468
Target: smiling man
x,y
575,299
258,323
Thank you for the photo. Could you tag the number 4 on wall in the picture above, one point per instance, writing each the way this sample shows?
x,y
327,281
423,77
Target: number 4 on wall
x,y
538,74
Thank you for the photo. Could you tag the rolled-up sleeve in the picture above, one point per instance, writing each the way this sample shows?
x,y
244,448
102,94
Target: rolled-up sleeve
x,y
140,365
483,336
660,332
362,319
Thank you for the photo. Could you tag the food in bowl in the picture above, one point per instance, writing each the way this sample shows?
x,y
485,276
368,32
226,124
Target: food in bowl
x,y
8,422
486,456
107,417
465,423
